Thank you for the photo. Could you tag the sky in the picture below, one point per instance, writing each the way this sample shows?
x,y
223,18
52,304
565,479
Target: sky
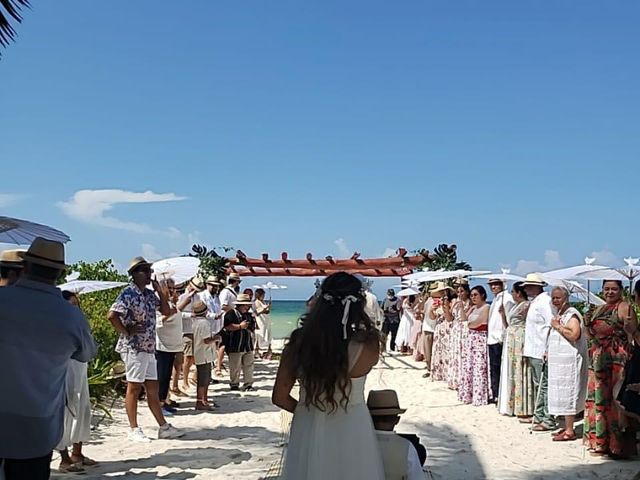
x,y
508,128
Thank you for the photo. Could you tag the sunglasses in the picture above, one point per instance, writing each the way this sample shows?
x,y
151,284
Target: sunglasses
x,y
143,270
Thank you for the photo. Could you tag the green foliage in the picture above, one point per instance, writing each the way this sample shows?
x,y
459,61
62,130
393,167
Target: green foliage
x,y
95,306
211,262
443,257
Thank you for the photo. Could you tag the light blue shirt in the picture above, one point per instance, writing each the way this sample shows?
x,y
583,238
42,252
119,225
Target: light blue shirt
x,y
39,332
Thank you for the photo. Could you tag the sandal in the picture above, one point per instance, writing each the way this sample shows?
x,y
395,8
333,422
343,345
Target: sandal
x,y
179,393
565,437
558,433
541,428
598,453
73,468
219,373
525,419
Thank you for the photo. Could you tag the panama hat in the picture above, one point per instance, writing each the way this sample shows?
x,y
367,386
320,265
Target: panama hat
x,y
243,299
199,309
198,283
46,253
118,370
234,276
384,402
213,280
461,281
534,279
137,262
495,280
12,258
441,287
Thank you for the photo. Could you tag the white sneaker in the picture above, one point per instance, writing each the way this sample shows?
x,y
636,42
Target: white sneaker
x,y
137,435
169,431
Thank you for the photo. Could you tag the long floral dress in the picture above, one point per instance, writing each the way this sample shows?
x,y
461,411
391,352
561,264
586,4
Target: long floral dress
x,y
609,350
457,340
474,387
441,344
517,393
416,343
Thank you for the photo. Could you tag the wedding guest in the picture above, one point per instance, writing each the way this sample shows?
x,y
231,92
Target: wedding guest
x,y
239,324
568,362
203,347
186,301
403,338
227,300
428,327
391,311
629,396
34,366
416,343
442,314
517,394
495,332
133,315
474,387
536,335
11,265
77,412
263,320
606,429
459,331
332,434
399,456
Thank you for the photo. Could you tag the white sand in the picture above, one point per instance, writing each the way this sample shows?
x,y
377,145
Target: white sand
x,y
242,439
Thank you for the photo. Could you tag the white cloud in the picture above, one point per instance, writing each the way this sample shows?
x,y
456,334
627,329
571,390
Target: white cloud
x,y
343,249
150,253
174,232
606,258
90,206
551,261
389,252
8,199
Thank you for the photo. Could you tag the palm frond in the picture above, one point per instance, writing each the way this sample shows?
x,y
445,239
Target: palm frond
x,y
10,9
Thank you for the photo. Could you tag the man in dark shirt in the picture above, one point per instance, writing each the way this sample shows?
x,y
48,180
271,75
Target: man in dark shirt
x,y
240,325
391,317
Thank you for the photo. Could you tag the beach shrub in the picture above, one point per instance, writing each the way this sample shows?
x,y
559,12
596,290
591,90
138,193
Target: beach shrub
x,y
211,262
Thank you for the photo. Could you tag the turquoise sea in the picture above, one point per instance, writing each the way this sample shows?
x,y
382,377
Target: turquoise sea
x,y
285,315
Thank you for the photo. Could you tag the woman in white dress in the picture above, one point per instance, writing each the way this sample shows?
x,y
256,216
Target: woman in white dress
x,y
568,364
263,320
332,434
77,412
403,338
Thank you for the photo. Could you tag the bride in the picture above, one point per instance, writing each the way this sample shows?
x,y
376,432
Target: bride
x,y
332,435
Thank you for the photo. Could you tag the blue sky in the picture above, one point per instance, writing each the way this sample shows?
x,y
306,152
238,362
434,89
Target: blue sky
x,y
508,128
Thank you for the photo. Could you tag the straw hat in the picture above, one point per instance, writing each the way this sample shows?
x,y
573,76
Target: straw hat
x,y
441,287
461,281
118,370
199,309
198,283
234,276
213,280
12,258
384,402
137,262
534,279
495,280
243,299
46,253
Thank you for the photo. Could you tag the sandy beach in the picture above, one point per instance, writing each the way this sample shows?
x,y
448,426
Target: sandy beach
x,y
243,438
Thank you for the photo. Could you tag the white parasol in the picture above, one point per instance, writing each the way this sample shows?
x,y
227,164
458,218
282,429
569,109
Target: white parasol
x,y
88,286
574,272
628,272
23,232
505,276
407,292
445,274
271,286
576,290
180,269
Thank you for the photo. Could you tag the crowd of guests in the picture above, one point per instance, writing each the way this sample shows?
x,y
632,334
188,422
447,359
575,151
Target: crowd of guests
x,y
531,353
168,333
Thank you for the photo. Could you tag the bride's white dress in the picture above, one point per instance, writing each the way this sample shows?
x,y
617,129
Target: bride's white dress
x,y
339,445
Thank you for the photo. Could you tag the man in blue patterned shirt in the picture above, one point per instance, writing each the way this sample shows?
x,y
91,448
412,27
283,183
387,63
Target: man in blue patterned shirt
x,y
133,315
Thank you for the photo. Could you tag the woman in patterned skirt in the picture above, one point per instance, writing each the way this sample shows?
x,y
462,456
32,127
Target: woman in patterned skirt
x,y
606,427
459,331
441,313
474,388
517,393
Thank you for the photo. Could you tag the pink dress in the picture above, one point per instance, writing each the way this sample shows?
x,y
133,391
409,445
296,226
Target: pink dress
x,y
474,387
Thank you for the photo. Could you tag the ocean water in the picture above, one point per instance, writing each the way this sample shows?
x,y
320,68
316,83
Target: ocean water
x,y
285,315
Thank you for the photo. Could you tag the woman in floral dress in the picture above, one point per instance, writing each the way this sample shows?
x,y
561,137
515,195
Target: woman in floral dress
x,y
459,331
441,313
474,387
517,394
416,332
606,428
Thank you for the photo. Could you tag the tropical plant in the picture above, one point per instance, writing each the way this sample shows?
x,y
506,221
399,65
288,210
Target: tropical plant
x,y
211,262
10,9
444,257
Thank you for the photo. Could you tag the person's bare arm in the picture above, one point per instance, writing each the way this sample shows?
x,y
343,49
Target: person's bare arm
x,y
285,380
572,330
368,358
116,320
184,302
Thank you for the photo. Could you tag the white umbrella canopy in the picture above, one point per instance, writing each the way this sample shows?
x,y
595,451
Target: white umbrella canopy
x,y
445,274
504,276
629,272
88,286
24,232
576,290
271,286
407,292
180,269
574,272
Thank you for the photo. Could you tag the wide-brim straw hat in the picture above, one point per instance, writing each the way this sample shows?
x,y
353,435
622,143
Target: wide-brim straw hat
x,y
441,287
12,258
47,253
495,280
118,370
213,280
384,402
137,262
200,308
243,299
461,281
234,276
534,279
197,283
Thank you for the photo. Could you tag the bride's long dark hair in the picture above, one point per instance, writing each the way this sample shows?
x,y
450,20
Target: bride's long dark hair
x,y
317,352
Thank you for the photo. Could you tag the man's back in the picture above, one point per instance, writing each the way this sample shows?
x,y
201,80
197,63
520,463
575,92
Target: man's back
x,y
39,333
